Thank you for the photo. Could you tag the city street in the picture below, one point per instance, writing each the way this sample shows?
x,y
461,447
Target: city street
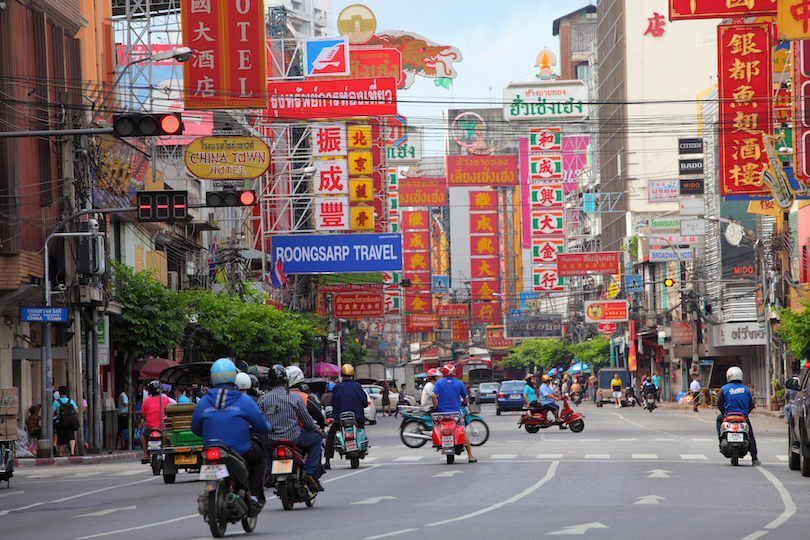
x,y
630,473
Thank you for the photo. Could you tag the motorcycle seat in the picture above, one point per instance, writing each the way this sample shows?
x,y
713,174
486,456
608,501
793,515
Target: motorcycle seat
x,y
734,417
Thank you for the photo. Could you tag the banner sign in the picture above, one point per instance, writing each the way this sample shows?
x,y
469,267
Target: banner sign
x,y
545,250
486,312
739,333
546,279
690,166
483,201
483,245
481,170
544,325
557,100
719,9
482,223
606,328
496,339
690,145
327,254
429,320
692,187
681,332
305,100
415,221
602,311
546,196
660,255
666,223
545,140
423,191
420,281
550,222
545,168
663,190
666,240
411,328
581,264
461,329
417,302
357,305
221,158
485,289
451,310
415,240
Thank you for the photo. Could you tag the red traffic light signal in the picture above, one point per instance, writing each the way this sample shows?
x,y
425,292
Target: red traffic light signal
x,y
147,125
230,198
162,206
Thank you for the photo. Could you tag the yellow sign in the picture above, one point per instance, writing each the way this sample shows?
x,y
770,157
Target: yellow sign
x,y
792,19
358,23
222,158
765,208
361,189
360,137
359,163
362,217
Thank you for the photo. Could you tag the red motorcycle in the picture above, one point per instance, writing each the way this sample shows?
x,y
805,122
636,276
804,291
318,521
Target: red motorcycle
x,y
533,422
287,472
448,434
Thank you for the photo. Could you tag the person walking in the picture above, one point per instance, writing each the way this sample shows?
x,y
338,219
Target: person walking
x,y
67,421
123,418
656,380
592,387
616,386
694,388
386,399
400,400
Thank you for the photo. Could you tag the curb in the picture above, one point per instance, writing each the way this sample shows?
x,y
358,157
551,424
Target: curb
x,y
78,460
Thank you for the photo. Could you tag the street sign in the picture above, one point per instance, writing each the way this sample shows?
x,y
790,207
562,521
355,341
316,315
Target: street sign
x,y
441,283
665,223
660,255
43,314
515,314
632,283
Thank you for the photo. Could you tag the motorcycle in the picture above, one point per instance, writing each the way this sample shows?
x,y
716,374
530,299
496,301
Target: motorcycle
x,y
576,397
630,396
649,401
534,422
417,427
154,446
734,439
287,472
225,499
7,450
448,434
350,441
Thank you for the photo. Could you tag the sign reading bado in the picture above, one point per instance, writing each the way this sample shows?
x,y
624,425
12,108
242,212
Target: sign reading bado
x,y
612,311
328,254
222,158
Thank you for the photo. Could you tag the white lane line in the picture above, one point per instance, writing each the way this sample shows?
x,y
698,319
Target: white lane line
x,y
645,456
77,496
359,471
12,493
665,440
597,456
693,456
754,535
130,473
626,440
589,440
409,458
549,456
37,476
107,511
782,458
83,475
528,491
503,456
370,458
403,531
790,507
110,533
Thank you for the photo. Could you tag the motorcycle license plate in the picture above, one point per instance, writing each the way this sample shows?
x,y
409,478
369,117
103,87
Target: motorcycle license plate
x,y
351,446
735,437
447,441
213,472
282,467
153,445
186,460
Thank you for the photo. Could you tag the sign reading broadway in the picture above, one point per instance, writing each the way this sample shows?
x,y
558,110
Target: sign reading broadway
x,y
322,254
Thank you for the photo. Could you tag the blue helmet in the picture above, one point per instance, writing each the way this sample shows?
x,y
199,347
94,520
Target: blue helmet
x,y
330,386
223,371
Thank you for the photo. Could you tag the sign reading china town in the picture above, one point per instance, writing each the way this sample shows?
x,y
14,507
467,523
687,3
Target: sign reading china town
x,y
581,264
222,158
482,170
607,311
358,305
304,100
558,100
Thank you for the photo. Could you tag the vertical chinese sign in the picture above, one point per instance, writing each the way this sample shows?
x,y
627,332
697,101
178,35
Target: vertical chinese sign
x,y
416,261
746,107
485,275
227,68
331,180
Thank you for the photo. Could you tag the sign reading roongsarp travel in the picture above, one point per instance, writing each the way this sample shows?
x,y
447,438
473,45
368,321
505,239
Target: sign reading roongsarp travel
x,y
327,254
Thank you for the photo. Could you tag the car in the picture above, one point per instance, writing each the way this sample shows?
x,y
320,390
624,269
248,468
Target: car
x,y
370,412
604,393
487,392
799,423
510,396
375,391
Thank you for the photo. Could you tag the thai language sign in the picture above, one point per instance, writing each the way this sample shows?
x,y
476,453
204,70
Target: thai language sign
x,y
496,339
613,311
451,310
558,100
357,305
719,9
666,223
319,254
222,158
542,325
482,170
427,320
423,191
581,264
304,100
663,190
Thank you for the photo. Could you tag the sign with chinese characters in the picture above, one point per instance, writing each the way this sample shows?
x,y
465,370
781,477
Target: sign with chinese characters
x,y
496,340
530,325
305,100
361,189
415,221
423,191
417,261
461,329
362,217
324,253
665,240
484,268
329,139
227,68
719,9
326,56
546,279
482,223
482,170
483,201
357,305
485,289
655,28
546,196
545,250
482,245
451,310
548,222
545,140
420,280
581,264
486,312
745,88
221,158
602,311
331,177
332,213
429,320
417,302
663,190
557,100
543,168
359,136
415,241
359,163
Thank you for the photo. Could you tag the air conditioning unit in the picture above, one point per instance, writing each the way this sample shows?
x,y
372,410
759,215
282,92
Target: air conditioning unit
x,y
172,280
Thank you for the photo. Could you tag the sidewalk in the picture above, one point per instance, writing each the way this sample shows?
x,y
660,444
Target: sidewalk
x,y
672,406
92,459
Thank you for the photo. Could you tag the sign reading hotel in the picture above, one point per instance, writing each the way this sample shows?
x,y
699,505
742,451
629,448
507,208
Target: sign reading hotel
x,y
304,100
222,158
607,311
358,305
581,264
482,170
719,9
557,100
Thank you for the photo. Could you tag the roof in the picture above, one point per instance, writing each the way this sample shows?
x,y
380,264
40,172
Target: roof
x,y
556,25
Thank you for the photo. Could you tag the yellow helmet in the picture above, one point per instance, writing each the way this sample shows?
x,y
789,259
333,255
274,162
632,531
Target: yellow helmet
x,y
546,378
347,370
566,377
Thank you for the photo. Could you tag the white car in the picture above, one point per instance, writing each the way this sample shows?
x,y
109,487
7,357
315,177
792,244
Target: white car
x,y
370,412
375,391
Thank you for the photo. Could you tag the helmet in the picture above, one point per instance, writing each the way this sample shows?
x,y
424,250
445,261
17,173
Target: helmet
x,y
546,378
566,377
254,381
432,372
223,371
347,370
330,386
294,375
305,388
529,377
734,374
153,387
449,370
166,387
242,381
277,375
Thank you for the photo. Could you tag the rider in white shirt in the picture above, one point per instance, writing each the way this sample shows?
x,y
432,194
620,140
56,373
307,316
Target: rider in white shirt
x,y
427,401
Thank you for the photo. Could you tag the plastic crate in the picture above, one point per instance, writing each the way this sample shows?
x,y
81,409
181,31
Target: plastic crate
x,y
185,438
181,422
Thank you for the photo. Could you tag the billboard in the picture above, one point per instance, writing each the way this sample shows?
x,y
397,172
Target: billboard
x,y
582,264
556,100
327,254
529,325
481,170
423,191
304,100
607,311
359,305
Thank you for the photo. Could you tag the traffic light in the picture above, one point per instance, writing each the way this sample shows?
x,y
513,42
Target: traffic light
x,y
162,206
230,198
147,125
669,282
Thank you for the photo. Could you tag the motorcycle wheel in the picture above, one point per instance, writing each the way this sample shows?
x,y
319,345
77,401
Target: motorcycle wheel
x,y
531,428
249,523
354,462
451,458
805,467
216,514
285,493
735,456
794,458
478,432
169,478
412,427
577,425
156,465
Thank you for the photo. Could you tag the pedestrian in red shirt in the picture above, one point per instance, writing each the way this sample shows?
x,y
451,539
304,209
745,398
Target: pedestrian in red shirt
x,y
152,411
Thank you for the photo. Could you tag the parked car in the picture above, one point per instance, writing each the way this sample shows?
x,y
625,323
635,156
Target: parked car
x,y
510,396
375,391
604,393
370,412
488,392
798,424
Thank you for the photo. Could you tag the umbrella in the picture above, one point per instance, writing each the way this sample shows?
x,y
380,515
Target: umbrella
x,y
554,371
579,367
324,369
150,368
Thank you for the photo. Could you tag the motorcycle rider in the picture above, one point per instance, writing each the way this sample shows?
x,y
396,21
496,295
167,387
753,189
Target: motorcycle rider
x,y
648,390
347,396
291,422
530,396
735,397
427,390
547,399
226,414
295,380
152,411
449,395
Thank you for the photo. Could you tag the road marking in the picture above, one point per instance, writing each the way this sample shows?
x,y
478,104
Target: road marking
x,y
77,496
580,529
659,473
590,440
409,458
36,476
665,440
12,493
374,500
645,456
790,506
349,474
503,456
549,456
702,440
83,475
693,456
110,533
105,512
648,499
597,456
528,491
782,458
754,535
129,473
371,458
447,474
403,531
626,440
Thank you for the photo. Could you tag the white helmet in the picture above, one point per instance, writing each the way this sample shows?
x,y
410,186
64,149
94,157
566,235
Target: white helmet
x,y
294,375
734,374
242,381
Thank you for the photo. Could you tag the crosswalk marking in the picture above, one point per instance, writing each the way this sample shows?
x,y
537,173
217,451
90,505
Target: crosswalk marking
x,y
503,456
370,458
693,456
83,475
597,456
409,458
549,456
626,440
782,458
645,456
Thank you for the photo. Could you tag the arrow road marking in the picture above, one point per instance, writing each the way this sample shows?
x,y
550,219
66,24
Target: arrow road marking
x,y
580,529
659,473
108,511
447,474
649,499
374,500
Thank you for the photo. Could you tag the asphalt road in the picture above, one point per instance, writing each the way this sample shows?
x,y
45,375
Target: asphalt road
x,y
629,474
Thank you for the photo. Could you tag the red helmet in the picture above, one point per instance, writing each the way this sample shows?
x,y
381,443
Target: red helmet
x,y
449,370
433,372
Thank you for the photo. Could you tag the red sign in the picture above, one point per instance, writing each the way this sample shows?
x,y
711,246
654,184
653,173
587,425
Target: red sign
x,y
430,320
451,310
606,328
461,329
486,312
719,9
415,221
420,281
484,245
416,261
485,289
483,224
581,264
610,311
423,192
801,109
496,340
746,107
415,241
681,332
484,268
411,328
483,201
370,62
228,68
305,100
482,170
357,305
417,302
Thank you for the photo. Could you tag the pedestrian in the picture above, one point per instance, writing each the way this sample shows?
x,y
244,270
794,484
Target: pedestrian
x,y
123,417
592,380
67,421
33,423
694,388
656,380
616,386
386,399
400,400
181,395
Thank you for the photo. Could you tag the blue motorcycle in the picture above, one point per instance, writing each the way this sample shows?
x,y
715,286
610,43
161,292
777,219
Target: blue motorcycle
x,y
417,427
350,441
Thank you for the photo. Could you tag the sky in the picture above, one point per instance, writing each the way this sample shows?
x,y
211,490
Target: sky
x,y
498,46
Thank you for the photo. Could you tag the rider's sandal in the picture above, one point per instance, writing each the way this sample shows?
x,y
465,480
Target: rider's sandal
x,y
473,460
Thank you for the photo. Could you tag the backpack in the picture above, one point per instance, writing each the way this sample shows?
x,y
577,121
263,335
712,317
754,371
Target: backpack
x,y
67,415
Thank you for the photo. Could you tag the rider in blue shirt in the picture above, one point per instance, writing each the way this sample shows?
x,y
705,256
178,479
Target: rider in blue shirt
x,y
735,397
530,395
548,398
449,395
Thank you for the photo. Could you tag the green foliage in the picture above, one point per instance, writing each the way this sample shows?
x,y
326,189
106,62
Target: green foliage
x,y
595,351
631,247
795,330
153,317
551,353
353,351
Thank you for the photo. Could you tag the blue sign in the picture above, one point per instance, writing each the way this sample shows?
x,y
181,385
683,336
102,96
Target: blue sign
x,y
43,314
530,301
326,57
589,203
632,283
335,253
441,283
515,314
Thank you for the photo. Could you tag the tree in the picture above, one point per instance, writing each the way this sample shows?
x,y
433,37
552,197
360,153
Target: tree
x,y
595,351
548,353
353,352
794,330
